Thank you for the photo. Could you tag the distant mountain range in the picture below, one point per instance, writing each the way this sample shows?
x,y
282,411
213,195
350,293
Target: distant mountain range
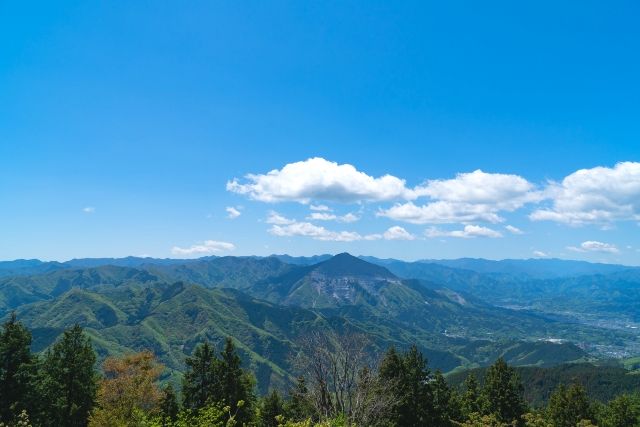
x,y
461,313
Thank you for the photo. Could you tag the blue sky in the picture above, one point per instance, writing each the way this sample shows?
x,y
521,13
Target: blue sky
x,y
122,124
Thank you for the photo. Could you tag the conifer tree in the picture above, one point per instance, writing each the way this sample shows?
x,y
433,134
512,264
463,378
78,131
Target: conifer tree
x,y
471,401
69,380
15,363
201,381
408,378
236,385
270,408
569,405
624,410
299,407
169,407
503,393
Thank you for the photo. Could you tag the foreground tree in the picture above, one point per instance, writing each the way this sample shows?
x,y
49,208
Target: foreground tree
x,y
129,393
408,378
15,364
624,410
569,405
236,385
299,406
69,380
201,383
270,407
169,407
342,383
503,393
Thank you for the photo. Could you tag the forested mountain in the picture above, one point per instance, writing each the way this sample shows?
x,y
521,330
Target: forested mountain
x,y
457,317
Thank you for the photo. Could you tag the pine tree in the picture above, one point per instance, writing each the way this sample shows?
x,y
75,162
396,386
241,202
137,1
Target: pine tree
x,y
270,408
201,381
444,403
503,393
69,380
169,407
15,363
569,405
236,385
471,401
408,378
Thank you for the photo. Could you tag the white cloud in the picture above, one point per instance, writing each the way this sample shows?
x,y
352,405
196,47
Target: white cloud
x,y
600,195
322,208
207,247
322,216
275,218
474,196
594,246
325,216
469,231
442,212
316,232
88,209
540,254
513,230
232,213
502,191
398,233
306,229
320,179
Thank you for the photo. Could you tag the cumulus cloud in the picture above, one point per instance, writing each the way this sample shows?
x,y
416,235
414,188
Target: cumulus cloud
x,y
206,247
468,232
317,179
88,209
232,213
595,246
503,191
398,233
600,195
513,230
540,254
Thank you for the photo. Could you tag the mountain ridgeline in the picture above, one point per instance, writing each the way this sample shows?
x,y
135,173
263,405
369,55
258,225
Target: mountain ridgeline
x,y
460,314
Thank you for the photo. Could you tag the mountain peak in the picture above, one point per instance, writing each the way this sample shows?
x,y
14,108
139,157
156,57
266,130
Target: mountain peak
x,y
345,264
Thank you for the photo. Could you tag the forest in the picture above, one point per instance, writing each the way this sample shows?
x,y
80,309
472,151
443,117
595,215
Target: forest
x,y
339,384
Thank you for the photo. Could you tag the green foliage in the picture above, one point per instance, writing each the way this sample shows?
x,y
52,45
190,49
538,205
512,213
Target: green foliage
x,y
471,397
200,385
408,377
569,405
15,363
622,411
299,406
503,393
169,407
269,409
69,380
211,380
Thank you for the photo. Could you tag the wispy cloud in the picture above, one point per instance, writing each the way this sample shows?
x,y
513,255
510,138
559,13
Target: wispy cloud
x,y
89,209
